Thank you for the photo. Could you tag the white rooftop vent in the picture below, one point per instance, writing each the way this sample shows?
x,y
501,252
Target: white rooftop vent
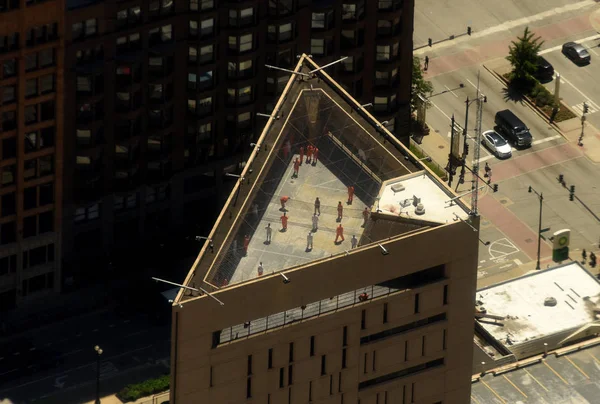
x,y
398,187
420,210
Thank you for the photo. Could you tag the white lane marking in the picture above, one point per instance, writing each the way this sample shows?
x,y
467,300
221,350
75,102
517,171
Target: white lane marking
x,y
471,83
546,139
136,333
485,158
585,97
517,261
593,51
452,92
592,107
559,47
506,266
126,321
71,353
506,26
111,326
10,371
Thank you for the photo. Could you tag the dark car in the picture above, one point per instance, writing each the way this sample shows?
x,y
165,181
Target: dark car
x,y
508,124
544,70
576,52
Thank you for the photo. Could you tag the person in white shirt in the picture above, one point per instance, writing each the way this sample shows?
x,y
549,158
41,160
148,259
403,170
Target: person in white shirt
x,y
261,269
309,241
315,222
269,233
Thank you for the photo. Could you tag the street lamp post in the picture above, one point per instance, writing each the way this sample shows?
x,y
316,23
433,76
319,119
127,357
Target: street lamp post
x,y
99,354
541,199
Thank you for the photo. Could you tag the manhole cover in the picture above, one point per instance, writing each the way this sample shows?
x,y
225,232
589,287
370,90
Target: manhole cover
x,y
437,131
441,147
503,201
529,240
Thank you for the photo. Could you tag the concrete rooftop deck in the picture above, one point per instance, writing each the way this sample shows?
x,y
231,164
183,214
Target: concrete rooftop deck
x,y
289,248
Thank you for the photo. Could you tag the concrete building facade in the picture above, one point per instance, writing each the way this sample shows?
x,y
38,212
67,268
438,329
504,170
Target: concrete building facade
x,y
31,155
279,321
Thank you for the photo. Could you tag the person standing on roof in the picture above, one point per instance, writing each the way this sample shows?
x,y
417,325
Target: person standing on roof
x,y
365,215
340,209
269,232
283,201
315,222
350,194
246,244
296,167
301,154
309,241
318,206
339,233
284,221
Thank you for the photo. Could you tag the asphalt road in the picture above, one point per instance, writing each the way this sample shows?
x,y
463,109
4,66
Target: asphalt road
x,y
439,19
454,77
578,83
62,357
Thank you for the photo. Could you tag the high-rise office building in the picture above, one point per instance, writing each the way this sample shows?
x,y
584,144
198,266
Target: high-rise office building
x,y
31,150
340,270
160,100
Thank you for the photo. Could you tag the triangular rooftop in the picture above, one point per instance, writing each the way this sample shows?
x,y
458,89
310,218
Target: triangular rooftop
x,y
354,150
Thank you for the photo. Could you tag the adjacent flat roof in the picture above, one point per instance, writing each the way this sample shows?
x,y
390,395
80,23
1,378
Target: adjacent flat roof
x,y
521,302
419,197
354,150
568,378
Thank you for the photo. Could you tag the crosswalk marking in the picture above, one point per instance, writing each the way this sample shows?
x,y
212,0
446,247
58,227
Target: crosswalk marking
x,y
592,107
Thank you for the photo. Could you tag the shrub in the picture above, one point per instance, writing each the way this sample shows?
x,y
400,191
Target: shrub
x,y
146,388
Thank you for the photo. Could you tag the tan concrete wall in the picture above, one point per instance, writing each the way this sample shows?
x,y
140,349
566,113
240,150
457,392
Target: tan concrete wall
x,y
455,245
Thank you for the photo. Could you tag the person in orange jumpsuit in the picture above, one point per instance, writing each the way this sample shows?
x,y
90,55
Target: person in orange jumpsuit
x,y
296,167
339,233
309,152
301,154
284,220
283,201
340,210
365,215
315,155
350,194
246,244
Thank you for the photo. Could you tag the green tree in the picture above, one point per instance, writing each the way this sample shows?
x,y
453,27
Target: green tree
x,y
523,55
420,86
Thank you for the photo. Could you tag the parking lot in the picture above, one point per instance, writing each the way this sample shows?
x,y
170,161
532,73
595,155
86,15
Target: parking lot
x,y
569,378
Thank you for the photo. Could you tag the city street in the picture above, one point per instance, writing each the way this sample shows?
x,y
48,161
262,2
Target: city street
x,y
510,217
62,359
578,83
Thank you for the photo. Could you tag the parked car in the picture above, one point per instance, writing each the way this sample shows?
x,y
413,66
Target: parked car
x,y
576,52
509,125
544,71
495,143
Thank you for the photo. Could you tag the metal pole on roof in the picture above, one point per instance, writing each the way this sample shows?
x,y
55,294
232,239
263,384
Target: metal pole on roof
x,y
328,64
189,288
476,151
